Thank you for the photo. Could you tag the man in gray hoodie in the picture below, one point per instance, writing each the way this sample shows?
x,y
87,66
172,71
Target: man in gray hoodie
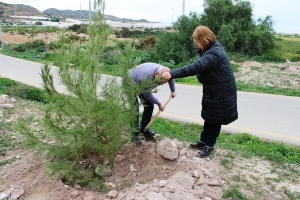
x,y
143,72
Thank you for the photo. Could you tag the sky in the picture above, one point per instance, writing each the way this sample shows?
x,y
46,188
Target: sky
x,y
285,13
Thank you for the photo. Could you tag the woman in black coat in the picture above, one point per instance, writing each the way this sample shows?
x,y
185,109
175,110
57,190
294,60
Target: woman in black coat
x,y
219,100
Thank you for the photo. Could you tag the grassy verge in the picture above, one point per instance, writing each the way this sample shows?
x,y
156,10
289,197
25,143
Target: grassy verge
x,y
245,144
241,86
289,47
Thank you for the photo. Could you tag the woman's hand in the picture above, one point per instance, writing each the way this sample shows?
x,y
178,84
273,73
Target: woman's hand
x,y
166,76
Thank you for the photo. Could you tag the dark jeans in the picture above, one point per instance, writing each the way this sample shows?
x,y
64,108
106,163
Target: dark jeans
x,y
210,133
147,113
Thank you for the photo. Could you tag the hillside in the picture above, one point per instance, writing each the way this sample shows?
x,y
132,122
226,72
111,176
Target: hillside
x,y
84,14
21,9
25,10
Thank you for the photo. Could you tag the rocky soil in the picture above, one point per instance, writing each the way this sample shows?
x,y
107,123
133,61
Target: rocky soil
x,y
168,169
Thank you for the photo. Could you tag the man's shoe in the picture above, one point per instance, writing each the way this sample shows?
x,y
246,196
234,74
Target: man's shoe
x,y
206,151
198,144
148,130
135,139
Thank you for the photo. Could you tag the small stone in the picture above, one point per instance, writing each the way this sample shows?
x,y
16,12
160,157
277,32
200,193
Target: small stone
x,y
201,194
162,183
196,173
3,196
112,194
213,183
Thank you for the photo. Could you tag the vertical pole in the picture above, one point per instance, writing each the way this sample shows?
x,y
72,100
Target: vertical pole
x,y
172,15
1,35
89,11
183,7
80,12
15,13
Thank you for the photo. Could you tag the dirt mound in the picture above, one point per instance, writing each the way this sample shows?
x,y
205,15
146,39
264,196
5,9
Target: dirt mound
x,y
250,64
138,173
291,68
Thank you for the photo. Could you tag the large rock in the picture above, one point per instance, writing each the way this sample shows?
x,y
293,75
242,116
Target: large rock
x,y
183,179
168,149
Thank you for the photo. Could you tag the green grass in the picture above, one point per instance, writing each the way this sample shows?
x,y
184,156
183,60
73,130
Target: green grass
x,y
234,194
241,86
20,90
6,143
244,144
289,47
31,55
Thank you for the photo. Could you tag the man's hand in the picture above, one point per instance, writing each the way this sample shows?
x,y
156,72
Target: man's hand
x,y
173,94
161,107
166,76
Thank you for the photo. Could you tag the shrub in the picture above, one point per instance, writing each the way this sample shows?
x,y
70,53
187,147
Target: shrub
x,y
125,32
38,23
35,44
74,37
20,48
14,88
79,28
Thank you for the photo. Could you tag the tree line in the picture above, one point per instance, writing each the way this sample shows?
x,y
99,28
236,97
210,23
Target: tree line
x,y
233,25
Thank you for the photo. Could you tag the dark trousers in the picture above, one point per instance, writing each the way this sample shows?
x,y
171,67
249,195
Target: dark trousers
x,y
147,113
210,133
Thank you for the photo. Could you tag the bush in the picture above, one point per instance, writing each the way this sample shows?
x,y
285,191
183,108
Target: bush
x,y
38,23
79,28
145,57
170,46
20,48
54,45
170,64
35,44
13,88
125,32
74,37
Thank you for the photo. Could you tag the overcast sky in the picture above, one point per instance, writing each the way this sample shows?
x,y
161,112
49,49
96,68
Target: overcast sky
x,y
285,13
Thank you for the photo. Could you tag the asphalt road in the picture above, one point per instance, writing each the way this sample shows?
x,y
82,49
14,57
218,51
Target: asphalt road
x,y
272,117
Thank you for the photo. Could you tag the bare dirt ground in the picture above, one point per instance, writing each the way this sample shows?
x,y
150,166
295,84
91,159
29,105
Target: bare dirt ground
x,y
14,38
140,173
282,75
19,39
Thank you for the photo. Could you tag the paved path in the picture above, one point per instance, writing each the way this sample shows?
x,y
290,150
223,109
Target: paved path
x,y
271,117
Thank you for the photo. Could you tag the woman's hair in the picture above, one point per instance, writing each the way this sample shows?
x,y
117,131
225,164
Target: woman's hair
x,y
204,37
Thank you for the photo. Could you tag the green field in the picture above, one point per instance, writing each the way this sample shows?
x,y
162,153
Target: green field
x,y
289,47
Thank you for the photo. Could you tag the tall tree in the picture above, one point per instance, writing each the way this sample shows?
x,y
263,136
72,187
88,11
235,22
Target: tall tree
x,y
90,125
233,24
178,46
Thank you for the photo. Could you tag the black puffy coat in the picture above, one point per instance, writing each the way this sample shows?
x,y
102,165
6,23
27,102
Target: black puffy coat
x,y
213,70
